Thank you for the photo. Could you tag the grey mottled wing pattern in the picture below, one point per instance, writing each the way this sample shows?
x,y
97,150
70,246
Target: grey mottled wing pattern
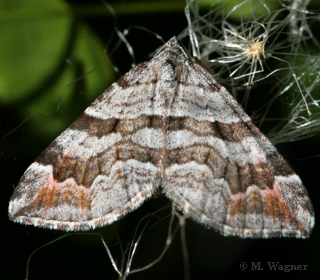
x,y
100,168
223,172
167,123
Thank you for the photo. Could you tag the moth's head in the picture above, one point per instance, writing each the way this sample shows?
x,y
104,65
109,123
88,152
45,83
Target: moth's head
x,y
172,49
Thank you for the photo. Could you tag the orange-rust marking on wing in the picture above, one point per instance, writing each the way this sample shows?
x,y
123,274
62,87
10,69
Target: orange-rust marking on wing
x,y
46,197
276,208
83,200
49,197
238,207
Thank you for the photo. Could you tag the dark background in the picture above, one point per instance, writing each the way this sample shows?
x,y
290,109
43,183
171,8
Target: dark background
x,y
211,256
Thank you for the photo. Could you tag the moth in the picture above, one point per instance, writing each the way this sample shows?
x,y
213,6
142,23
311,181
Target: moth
x,y
167,125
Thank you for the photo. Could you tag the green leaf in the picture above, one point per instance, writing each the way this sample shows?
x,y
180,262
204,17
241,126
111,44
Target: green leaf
x,y
44,52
